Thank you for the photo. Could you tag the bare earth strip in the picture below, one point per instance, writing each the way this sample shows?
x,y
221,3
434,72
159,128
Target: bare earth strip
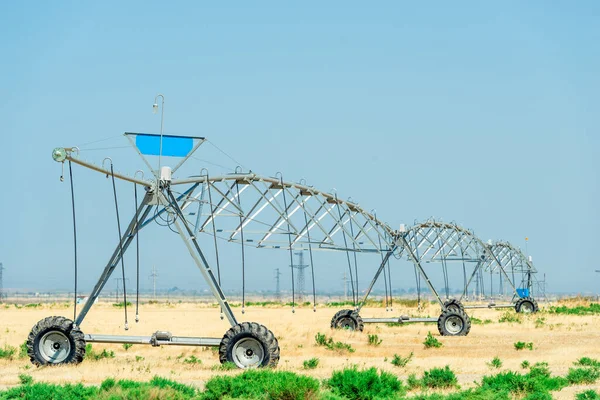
x,y
560,341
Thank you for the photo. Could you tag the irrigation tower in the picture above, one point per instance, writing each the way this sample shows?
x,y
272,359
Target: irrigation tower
x,y
300,267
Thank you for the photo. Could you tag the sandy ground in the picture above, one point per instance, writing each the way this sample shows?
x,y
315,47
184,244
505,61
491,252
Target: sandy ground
x,y
559,340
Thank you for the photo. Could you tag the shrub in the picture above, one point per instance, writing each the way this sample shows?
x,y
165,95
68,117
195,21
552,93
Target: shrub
x,y
583,375
329,344
127,346
413,382
374,340
23,350
401,361
7,352
226,366
495,363
92,355
430,342
139,358
437,378
261,383
509,316
192,360
525,364
523,345
25,379
588,395
311,364
353,384
587,362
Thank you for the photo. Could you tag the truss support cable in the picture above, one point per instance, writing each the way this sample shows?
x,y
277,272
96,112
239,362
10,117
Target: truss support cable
x,y
137,256
354,295
74,240
285,207
237,189
112,173
312,265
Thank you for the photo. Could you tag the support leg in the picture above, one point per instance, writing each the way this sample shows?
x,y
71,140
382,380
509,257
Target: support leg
x,y
381,268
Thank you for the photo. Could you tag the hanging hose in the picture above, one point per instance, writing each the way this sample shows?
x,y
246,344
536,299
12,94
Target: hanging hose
x,y
290,243
390,283
74,241
354,253
112,173
354,296
239,201
312,265
137,257
382,258
214,228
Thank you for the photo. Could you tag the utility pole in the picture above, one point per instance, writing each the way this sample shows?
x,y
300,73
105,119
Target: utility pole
x,y
119,282
300,280
277,287
2,296
345,287
154,275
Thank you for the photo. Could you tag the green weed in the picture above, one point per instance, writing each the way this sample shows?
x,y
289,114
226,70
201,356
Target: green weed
x,y
399,361
353,384
7,352
25,379
525,364
495,363
510,317
439,378
588,395
192,360
261,384
91,354
226,366
23,350
374,340
311,364
127,346
523,345
430,341
594,308
587,362
121,304
329,344
583,375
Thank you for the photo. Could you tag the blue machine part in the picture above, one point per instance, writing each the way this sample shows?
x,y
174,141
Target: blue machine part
x,y
172,146
523,292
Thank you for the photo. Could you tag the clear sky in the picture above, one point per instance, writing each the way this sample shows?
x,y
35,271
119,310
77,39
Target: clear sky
x,y
477,112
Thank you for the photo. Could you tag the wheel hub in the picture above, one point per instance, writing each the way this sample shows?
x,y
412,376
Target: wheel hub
x,y
54,347
347,323
248,353
454,325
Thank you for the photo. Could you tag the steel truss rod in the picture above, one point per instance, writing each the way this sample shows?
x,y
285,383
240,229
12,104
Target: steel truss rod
x,y
124,243
191,243
375,278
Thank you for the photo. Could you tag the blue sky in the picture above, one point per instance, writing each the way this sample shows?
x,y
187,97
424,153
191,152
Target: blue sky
x,y
480,113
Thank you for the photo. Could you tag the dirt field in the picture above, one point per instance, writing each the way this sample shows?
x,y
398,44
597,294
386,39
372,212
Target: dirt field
x,y
558,340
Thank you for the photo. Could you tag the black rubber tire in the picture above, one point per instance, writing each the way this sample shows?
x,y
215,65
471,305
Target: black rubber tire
x,y
528,301
347,319
454,305
449,319
262,336
62,326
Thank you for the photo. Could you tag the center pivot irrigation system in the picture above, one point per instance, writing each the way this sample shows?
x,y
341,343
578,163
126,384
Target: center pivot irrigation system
x,y
261,212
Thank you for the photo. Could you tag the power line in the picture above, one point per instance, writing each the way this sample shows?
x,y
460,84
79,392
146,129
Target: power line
x,y
2,294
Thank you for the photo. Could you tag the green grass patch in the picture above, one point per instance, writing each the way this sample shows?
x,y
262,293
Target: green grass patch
x,y
261,384
593,308
399,361
25,379
91,354
439,378
523,345
495,363
587,362
588,395
311,363
510,317
226,366
192,360
374,340
329,344
121,304
367,384
8,352
127,346
577,376
431,342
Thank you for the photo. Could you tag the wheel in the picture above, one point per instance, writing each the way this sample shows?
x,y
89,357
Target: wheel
x,y
54,341
453,305
347,319
454,323
249,345
526,305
